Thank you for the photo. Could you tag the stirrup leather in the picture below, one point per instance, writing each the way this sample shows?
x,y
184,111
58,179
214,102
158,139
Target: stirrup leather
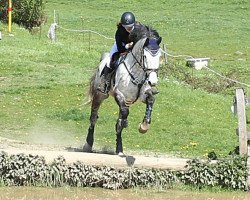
x,y
104,86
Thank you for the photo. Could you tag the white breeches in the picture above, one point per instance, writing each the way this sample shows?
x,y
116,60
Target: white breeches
x,y
111,53
113,50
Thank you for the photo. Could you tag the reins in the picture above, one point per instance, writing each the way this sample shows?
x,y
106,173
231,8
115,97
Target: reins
x,y
141,65
135,80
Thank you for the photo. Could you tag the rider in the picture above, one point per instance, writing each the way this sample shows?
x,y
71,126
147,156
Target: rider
x,y
121,46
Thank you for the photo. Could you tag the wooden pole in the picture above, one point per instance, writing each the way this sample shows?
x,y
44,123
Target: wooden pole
x,y
10,16
82,28
165,56
89,40
242,126
54,16
98,159
248,170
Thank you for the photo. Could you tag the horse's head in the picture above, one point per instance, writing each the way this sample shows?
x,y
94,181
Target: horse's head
x,y
147,50
151,59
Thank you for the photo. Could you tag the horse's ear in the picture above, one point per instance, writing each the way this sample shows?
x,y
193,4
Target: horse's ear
x,y
159,40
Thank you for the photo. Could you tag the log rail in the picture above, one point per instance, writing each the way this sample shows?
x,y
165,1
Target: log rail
x,y
239,108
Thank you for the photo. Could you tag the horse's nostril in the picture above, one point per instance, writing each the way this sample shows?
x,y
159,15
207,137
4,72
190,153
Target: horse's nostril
x,y
152,84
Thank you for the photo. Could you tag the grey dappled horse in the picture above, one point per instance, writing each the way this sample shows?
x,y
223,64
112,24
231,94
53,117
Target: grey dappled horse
x,y
134,80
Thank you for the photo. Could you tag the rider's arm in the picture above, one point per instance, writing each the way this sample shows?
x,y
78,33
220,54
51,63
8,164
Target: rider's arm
x,y
119,41
122,38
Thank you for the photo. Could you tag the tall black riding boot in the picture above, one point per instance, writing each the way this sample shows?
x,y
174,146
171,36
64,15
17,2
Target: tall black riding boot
x,y
105,80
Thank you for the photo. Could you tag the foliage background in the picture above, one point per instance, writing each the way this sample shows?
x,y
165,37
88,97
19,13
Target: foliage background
x,y
28,14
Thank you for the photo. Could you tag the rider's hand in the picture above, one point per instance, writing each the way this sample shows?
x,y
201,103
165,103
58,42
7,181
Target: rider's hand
x,y
129,45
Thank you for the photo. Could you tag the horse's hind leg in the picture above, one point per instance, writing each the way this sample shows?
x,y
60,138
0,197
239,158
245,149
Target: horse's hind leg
x,y
121,123
96,102
144,126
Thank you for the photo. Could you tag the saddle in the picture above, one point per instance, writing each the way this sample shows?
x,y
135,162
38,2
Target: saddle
x,y
117,59
108,72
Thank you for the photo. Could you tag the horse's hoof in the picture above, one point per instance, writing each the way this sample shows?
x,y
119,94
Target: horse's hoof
x,y
87,148
143,127
121,154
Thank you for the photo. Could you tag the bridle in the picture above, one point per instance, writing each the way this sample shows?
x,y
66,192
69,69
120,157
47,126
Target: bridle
x,y
141,63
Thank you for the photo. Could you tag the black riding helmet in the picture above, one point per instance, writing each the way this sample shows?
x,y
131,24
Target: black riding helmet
x,y
127,18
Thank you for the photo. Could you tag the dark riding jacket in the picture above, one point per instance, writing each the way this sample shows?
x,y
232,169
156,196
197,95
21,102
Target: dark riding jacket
x,y
122,37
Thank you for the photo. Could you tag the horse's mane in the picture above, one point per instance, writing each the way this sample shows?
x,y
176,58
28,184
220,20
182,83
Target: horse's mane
x,y
142,31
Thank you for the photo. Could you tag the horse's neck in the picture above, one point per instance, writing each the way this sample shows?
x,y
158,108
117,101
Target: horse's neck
x,y
129,59
132,67
135,56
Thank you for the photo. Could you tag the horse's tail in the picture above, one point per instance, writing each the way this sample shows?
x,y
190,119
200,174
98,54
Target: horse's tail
x,y
94,79
91,90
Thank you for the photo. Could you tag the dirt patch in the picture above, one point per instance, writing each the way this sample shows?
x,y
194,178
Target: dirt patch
x,y
71,155
8,144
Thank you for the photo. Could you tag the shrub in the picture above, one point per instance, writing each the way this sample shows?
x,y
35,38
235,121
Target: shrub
x,y
3,10
229,173
27,13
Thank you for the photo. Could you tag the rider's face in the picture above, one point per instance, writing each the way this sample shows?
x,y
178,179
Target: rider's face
x,y
128,28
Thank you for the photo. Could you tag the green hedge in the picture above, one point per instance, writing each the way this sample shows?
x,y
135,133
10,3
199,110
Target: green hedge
x,y
27,13
29,170
229,173
3,10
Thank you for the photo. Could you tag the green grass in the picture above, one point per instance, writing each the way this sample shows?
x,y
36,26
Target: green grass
x,y
43,84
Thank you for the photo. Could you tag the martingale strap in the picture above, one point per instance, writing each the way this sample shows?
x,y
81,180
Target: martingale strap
x,y
141,65
134,80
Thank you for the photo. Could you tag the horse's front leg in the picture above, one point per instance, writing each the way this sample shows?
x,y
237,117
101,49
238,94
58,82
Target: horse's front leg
x,y
121,123
150,99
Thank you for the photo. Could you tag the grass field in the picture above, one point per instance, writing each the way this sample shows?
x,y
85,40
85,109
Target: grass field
x,y
43,84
